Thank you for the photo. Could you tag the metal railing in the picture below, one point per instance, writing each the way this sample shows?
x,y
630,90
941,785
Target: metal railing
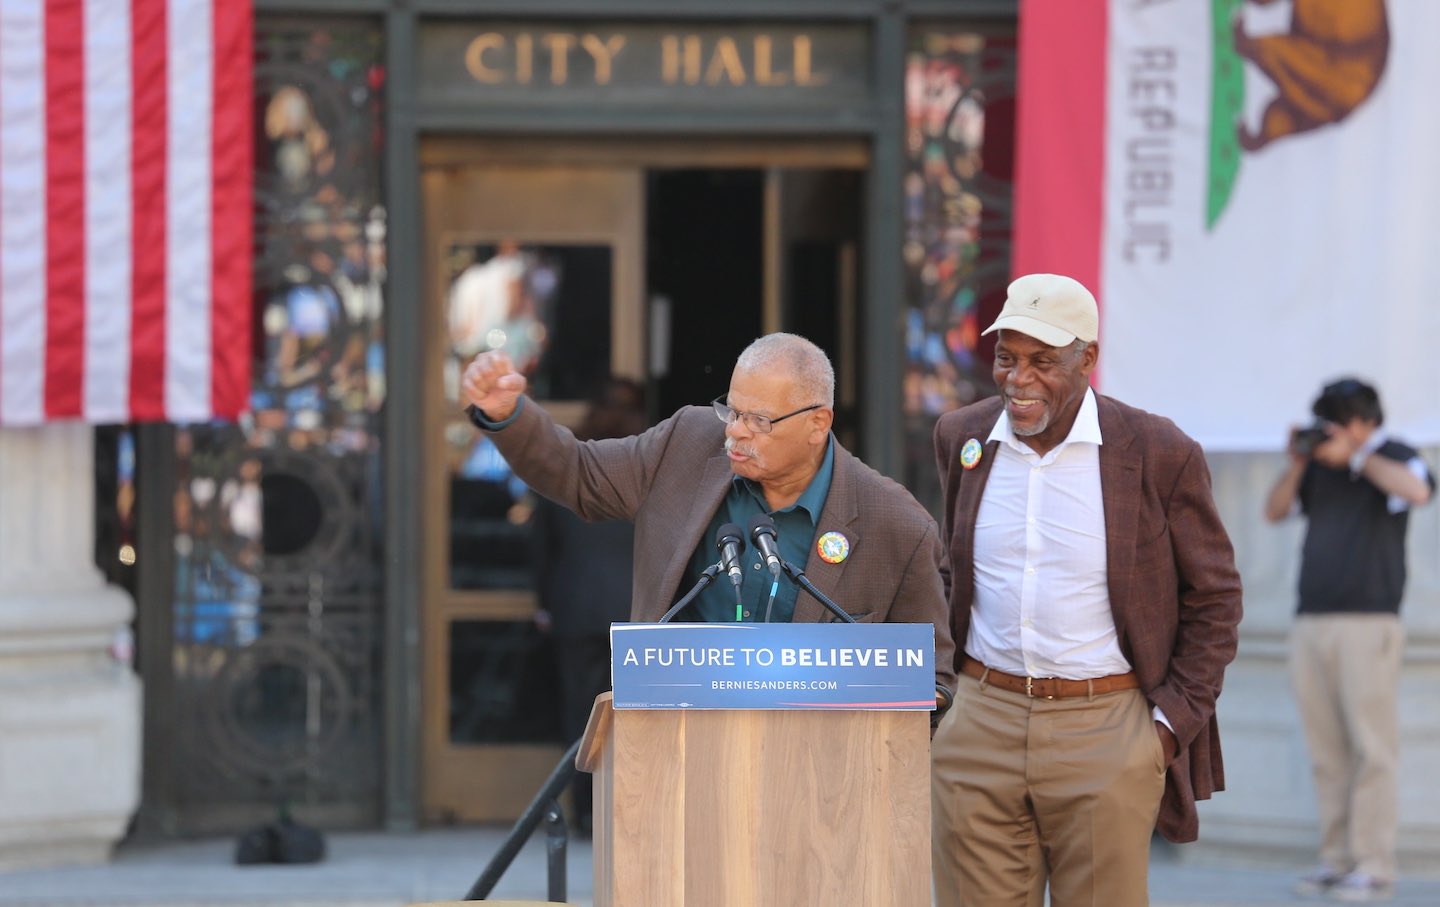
x,y
544,808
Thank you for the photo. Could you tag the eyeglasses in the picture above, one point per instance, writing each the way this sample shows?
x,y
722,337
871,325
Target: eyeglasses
x,y
757,423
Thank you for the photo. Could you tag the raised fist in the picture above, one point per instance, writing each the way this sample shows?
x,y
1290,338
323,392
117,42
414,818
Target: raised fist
x,y
492,385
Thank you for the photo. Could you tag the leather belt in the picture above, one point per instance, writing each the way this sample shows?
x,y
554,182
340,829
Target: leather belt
x,y
1048,687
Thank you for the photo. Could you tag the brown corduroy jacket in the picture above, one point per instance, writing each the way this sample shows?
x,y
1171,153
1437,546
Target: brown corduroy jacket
x,y
1174,590
671,479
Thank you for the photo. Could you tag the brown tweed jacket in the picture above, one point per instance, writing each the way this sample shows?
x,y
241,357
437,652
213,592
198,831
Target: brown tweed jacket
x,y
1174,589
670,481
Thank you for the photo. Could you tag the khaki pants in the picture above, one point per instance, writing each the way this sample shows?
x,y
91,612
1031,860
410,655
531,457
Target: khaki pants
x,y
1026,792
1346,670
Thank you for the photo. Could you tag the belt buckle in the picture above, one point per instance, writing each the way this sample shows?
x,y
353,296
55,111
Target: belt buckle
x,y
1030,689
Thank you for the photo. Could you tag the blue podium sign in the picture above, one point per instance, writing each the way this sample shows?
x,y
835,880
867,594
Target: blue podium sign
x,y
773,666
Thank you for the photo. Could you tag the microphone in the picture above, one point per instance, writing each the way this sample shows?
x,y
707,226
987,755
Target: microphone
x,y
731,543
762,533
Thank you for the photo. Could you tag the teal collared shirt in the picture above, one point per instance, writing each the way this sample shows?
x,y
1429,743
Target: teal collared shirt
x,y
795,527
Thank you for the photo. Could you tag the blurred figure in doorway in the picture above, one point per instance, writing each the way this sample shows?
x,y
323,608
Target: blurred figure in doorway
x,y
583,578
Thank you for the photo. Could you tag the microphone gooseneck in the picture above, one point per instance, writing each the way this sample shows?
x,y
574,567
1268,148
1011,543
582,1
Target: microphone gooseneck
x,y
798,576
706,577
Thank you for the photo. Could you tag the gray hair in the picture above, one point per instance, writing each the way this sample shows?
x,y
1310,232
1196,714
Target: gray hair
x,y
802,360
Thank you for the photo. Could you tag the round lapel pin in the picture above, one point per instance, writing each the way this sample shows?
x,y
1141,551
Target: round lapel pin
x,y
833,547
970,454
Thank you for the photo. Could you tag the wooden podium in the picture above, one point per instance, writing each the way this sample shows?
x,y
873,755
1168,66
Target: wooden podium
x,y
759,807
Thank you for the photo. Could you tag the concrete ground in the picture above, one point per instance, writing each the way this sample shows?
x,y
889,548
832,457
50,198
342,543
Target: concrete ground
x,y
389,870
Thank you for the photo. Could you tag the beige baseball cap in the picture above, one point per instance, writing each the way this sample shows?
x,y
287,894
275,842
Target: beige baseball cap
x,y
1054,309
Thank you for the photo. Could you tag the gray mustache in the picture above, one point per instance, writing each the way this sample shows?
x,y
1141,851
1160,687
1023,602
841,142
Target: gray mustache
x,y
731,446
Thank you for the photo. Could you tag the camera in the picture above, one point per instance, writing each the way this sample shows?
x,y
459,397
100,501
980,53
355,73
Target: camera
x,y
1304,440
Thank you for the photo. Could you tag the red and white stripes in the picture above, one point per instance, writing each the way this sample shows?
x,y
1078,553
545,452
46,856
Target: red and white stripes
x,y
125,209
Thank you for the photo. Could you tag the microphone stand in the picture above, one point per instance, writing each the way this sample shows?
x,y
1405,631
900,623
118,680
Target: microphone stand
x,y
709,574
801,580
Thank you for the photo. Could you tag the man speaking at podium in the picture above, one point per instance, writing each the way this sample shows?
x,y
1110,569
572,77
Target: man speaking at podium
x,y
766,448
1095,602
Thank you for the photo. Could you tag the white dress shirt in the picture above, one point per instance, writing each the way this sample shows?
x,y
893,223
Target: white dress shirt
x,y
1042,599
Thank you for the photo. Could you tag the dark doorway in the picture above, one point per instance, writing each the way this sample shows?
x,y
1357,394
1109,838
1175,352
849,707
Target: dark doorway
x,y
704,255
819,248
708,234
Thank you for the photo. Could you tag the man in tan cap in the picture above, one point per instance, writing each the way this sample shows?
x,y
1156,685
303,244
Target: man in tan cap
x,y
1094,602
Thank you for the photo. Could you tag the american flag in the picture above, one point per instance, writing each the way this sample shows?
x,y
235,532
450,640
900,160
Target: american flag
x,y
125,209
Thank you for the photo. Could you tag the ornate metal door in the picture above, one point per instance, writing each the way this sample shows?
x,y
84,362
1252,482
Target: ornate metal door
x,y
273,694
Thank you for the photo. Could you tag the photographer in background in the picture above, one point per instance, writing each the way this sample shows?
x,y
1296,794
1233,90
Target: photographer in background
x,y
1355,485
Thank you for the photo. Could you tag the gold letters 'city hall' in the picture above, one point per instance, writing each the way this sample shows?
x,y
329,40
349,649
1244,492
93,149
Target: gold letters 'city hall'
x,y
497,59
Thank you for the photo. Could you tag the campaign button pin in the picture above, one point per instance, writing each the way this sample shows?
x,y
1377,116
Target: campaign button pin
x,y
833,547
970,454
